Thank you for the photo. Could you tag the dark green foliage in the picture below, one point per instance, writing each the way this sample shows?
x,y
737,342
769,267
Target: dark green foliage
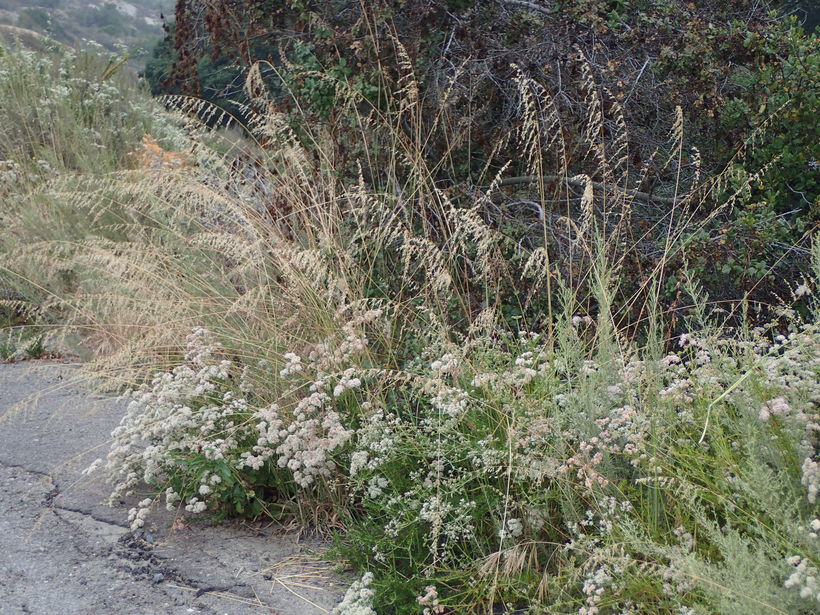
x,y
766,237
780,102
158,68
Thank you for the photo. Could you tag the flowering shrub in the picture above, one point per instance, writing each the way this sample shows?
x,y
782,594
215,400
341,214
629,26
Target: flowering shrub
x,y
70,110
189,433
490,469
193,434
521,468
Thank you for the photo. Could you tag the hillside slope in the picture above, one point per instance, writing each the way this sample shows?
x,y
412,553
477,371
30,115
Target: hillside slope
x,y
135,24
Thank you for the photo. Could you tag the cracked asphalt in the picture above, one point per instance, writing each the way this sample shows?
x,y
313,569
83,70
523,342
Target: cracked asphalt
x,y
64,551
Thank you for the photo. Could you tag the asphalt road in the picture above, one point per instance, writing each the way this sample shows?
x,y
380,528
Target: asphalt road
x,y
64,551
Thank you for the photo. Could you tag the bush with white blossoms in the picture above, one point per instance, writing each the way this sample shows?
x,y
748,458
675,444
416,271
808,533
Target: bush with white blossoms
x,y
195,435
186,432
474,461
67,107
194,432
485,457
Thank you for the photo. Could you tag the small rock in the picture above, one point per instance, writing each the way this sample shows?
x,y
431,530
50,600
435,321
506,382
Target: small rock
x,y
158,577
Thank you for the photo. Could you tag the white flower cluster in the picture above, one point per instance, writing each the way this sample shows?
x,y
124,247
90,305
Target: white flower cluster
x,y
269,428
589,533
792,363
678,390
376,486
304,446
802,290
95,465
513,528
374,442
687,339
447,364
178,411
488,456
307,442
195,505
623,431
450,401
777,407
814,529
811,478
805,577
137,515
594,587
525,369
679,386
430,601
201,347
448,522
347,382
358,599
293,365
585,463
192,410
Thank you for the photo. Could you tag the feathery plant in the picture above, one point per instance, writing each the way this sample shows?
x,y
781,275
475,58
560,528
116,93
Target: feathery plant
x,y
490,413
67,118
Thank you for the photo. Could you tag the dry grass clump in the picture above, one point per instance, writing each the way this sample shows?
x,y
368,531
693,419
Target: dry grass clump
x,y
493,415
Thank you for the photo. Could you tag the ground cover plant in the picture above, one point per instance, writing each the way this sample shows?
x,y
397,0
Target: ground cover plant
x,y
491,411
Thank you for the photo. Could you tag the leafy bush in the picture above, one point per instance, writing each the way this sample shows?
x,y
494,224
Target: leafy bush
x,y
765,237
780,99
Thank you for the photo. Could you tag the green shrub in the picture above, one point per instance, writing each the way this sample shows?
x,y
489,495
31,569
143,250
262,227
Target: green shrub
x,y
764,237
778,107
